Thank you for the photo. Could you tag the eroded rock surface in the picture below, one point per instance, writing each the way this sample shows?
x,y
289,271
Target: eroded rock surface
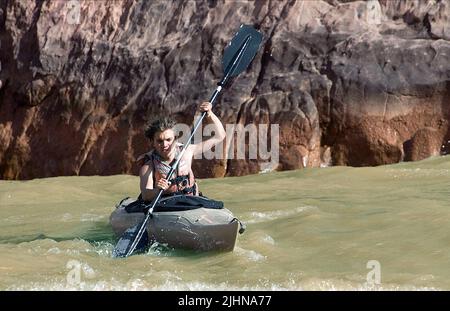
x,y
349,82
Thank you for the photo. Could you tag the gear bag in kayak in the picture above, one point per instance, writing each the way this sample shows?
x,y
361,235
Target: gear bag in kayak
x,y
170,204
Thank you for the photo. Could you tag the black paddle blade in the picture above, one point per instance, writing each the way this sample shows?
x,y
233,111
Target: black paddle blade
x,y
241,50
126,240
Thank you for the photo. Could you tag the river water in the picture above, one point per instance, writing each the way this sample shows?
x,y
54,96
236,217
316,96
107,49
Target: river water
x,y
335,228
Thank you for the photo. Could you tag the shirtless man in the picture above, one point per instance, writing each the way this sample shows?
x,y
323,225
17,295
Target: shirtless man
x,y
156,163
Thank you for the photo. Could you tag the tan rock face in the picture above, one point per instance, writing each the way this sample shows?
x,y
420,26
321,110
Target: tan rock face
x,y
348,82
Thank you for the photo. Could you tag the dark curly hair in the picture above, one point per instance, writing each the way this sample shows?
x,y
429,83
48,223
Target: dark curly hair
x,y
158,125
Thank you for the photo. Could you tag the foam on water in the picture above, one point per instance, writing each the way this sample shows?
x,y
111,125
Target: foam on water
x,y
249,254
92,217
66,217
141,284
268,239
259,217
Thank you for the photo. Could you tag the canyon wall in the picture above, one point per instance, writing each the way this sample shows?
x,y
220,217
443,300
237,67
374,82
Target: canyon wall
x,y
356,83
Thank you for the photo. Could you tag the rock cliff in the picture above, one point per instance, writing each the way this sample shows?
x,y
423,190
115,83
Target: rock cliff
x,y
349,82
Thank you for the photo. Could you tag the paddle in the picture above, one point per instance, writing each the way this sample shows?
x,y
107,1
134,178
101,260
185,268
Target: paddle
x,y
237,56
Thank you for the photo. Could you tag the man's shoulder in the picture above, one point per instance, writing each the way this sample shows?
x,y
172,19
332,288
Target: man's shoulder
x,y
144,158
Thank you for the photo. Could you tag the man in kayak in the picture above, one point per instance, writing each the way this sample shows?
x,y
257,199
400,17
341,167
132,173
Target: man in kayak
x,y
155,165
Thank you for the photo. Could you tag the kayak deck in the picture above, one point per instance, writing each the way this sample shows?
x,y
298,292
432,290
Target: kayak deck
x,y
200,229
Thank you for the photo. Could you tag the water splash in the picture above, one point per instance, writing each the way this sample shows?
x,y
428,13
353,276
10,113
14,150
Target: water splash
x,y
250,254
258,217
